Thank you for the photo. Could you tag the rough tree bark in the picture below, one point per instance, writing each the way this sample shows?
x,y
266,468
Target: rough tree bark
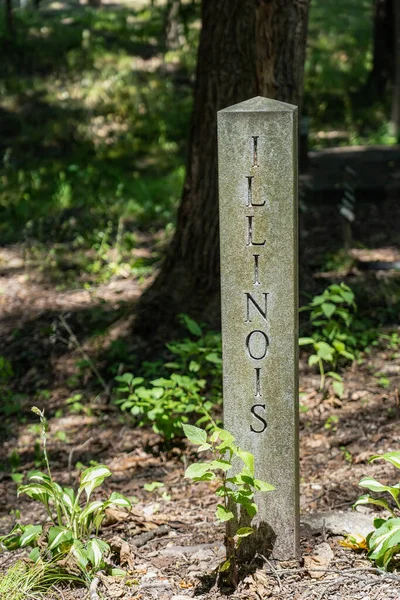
x,y
9,16
383,48
247,48
395,116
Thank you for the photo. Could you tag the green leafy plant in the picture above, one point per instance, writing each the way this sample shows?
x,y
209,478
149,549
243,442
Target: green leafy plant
x,y
332,315
163,403
190,392
75,518
235,491
384,542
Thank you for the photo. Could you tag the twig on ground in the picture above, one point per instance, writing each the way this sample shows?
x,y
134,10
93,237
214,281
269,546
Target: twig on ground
x,y
59,591
143,538
274,571
93,595
344,572
84,354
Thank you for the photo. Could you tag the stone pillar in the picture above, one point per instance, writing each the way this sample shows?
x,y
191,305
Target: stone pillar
x,y
257,153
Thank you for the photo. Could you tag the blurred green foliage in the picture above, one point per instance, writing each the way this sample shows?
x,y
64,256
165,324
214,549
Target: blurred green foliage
x,y
94,118
339,59
95,111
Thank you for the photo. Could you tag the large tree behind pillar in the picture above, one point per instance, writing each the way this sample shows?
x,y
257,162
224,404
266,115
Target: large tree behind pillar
x,y
247,48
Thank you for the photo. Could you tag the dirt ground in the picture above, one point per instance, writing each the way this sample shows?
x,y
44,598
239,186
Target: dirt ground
x,y
170,543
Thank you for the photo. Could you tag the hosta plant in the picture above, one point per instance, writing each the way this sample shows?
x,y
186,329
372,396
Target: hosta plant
x,y
384,542
74,517
235,490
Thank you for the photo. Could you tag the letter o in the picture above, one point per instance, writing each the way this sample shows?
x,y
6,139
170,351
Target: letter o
x,y
265,341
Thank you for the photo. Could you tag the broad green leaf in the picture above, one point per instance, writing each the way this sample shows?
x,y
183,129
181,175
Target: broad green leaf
x,y
317,300
248,459
90,509
191,325
223,514
263,486
328,309
225,566
367,499
154,485
251,508
244,532
313,359
36,491
30,535
335,298
224,465
384,538
93,473
39,477
204,447
348,296
371,484
98,519
125,378
80,554
212,357
68,498
58,535
34,555
117,572
390,457
338,345
334,375
197,470
242,478
95,550
194,366
324,351
226,437
195,434
338,388
304,341
93,477
119,500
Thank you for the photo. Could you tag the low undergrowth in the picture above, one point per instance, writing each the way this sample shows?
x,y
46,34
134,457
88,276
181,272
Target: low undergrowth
x,y
71,535
191,392
28,580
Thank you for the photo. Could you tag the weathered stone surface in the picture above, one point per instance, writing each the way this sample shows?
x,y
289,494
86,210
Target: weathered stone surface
x,y
257,150
340,522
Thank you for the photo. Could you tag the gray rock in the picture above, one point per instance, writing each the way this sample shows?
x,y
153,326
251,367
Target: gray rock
x,y
340,522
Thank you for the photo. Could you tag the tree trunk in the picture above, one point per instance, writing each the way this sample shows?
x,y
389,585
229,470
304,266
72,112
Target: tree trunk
x,y
383,51
247,48
9,16
395,117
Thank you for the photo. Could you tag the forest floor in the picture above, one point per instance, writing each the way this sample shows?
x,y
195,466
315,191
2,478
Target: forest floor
x,y
95,117
182,546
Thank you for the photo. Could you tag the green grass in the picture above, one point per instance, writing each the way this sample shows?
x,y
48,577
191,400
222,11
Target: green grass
x,y
95,122
33,580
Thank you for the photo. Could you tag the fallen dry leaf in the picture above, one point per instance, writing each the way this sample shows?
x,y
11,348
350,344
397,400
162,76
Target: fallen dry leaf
x,y
317,564
354,541
124,550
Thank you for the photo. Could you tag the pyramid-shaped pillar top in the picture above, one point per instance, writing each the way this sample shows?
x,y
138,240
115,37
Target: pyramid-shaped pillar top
x,y
260,104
